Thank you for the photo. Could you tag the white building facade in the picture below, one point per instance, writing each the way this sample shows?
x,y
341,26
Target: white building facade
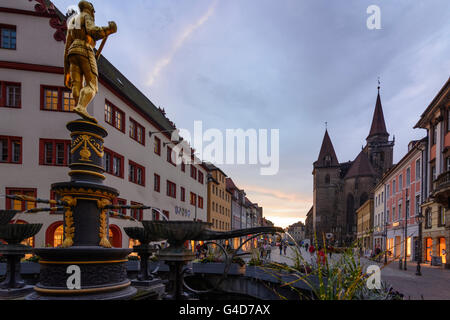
x,y
34,142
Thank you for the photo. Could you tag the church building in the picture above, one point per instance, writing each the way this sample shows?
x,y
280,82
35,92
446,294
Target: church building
x,y
339,189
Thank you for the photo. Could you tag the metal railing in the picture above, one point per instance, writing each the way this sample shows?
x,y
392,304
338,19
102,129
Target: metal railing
x,y
443,180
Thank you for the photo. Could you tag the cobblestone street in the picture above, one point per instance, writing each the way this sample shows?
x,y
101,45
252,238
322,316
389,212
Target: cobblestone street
x,y
434,284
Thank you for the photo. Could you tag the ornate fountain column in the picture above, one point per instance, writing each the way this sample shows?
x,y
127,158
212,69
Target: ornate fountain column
x,y
102,269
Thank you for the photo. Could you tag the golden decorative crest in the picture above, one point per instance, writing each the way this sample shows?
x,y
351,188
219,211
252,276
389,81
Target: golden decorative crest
x,y
84,141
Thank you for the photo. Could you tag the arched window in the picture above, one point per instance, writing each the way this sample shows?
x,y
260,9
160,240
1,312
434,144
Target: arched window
x,y
54,236
327,179
115,236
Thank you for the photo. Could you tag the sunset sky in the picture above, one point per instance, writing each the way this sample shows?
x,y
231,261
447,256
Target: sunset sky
x,y
290,65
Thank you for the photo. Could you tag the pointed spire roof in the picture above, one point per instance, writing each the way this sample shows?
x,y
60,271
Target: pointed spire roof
x,y
327,149
378,124
360,167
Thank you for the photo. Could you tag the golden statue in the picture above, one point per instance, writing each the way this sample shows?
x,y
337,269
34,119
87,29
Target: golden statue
x,y
79,58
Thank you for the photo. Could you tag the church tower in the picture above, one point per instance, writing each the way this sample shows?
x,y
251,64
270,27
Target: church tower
x,y
327,187
379,149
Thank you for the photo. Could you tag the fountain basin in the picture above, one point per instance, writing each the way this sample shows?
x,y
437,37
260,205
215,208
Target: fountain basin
x,y
176,232
16,233
6,216
141,234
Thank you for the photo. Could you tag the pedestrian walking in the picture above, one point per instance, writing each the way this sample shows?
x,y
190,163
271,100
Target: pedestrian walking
x,y
281,247
320,256
284,247
269,250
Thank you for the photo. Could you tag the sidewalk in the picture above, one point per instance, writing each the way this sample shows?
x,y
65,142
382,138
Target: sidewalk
x,y
434,284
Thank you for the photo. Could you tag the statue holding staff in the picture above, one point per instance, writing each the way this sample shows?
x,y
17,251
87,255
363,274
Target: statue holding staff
x,y
80,61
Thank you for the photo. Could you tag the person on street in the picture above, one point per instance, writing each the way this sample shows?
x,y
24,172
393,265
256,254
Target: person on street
x,y
330,250
321,256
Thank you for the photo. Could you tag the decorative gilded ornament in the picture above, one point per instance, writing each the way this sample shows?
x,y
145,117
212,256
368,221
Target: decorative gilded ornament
x,y
69,230
104,242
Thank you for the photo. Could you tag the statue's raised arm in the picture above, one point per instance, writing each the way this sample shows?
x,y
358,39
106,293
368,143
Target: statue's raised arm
x,y
79,57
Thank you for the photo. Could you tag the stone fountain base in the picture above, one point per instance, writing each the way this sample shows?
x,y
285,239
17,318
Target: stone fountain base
x,y
11,294
103,274
13,287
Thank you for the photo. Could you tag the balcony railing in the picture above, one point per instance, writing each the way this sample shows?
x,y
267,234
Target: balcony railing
x,y
442,181
441,190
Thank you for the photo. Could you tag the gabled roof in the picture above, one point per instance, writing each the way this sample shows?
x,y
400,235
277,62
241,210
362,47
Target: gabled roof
x,y
360,167
211,167
327,149
378,124
230,184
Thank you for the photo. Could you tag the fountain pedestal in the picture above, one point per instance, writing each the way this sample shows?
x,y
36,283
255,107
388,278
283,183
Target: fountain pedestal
x,y
13,286
176,258
101,269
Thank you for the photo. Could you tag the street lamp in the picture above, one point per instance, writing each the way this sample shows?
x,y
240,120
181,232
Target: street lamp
x,y
385,239
419,221
405,245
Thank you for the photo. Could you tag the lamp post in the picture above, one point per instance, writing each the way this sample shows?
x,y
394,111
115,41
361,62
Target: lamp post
x,y
419,221
385,240
405,246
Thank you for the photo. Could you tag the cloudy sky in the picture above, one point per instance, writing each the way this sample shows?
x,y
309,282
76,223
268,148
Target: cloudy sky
x,y
290,65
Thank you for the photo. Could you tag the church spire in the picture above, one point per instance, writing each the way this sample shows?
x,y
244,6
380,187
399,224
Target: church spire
x,y
378,127
327,156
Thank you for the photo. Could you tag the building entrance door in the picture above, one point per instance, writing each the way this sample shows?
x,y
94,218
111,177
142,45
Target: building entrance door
x,y
397,250
429,248
442,250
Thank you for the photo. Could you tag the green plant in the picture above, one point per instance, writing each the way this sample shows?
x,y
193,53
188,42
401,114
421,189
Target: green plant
x,y
342,279
256,258
239,261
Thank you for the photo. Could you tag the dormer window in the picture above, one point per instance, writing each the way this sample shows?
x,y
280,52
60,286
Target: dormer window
x,y
327,160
